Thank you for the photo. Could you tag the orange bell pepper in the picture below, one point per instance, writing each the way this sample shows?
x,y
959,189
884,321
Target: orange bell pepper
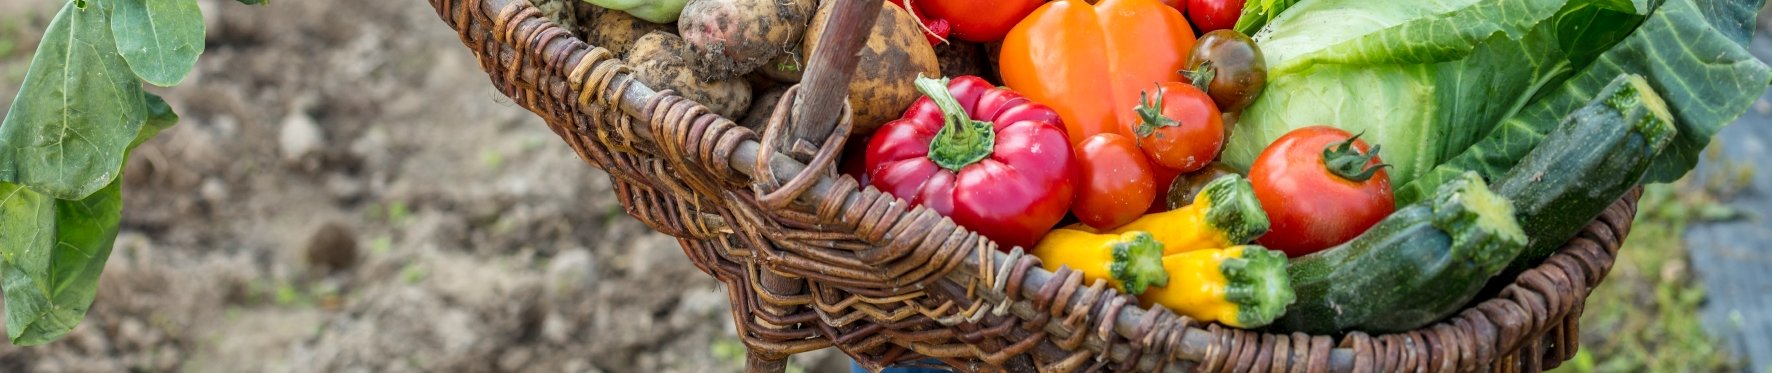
x,y
1089,62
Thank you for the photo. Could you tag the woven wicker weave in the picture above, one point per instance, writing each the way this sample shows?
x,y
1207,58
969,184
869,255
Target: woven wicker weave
x,y
814,260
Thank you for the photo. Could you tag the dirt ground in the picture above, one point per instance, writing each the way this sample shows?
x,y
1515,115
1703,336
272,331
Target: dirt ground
x,y
347,192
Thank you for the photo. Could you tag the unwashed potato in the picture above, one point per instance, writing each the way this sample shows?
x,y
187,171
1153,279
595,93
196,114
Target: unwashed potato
x,y
615,30
561,12
728,38
762,108
786,68
761,83
657,60
893,56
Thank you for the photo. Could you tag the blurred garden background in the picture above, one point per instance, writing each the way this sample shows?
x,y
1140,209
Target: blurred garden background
x,y
346,192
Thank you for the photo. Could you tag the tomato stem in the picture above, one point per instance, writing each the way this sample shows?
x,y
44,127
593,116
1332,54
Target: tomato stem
x,y
961,141
1346,161
1201,76
1150,114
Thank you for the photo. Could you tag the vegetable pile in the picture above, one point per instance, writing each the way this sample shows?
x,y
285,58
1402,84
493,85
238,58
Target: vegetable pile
x,y
1355,165
1296,165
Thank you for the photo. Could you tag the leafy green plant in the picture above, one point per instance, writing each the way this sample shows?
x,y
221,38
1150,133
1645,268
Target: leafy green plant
x,y
81,110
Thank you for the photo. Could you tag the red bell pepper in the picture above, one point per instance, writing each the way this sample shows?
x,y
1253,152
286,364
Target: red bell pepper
x,y
992,160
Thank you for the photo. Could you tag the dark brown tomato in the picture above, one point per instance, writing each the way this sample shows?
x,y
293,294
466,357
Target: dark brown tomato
x,y
1183,189
1231,68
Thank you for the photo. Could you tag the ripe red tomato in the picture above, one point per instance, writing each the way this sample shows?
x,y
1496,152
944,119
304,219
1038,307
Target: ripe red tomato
x,y
1165,180
1178,126
1213,15
1117,183
1318,190
978,21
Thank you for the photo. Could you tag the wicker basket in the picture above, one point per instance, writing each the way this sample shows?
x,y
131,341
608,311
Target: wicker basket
x,y
814,260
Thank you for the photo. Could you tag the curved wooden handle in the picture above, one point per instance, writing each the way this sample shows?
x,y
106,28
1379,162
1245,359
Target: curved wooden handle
x,y
826,85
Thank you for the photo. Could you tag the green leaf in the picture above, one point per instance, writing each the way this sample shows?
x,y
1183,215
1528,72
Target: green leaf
x,y
53,252
1257,13
1733,18
1639,7
76,118
1395,32
1707,77
1587,28
78,109
160,117
161,39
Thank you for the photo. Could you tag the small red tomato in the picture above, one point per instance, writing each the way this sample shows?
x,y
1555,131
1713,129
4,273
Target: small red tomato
x,y
1117,182
1165,177
1320,187
1180,130
1213,15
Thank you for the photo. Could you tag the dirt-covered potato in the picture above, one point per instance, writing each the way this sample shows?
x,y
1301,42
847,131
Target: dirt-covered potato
x,y
959,58
561,11
762,107
890,61
761,83
787,67
657,60
614,30
728,38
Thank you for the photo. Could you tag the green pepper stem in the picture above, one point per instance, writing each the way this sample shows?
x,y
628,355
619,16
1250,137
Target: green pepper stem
x,y
961,141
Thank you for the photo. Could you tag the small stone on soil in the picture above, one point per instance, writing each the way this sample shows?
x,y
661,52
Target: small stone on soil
x,y
332,248
299,136
571,271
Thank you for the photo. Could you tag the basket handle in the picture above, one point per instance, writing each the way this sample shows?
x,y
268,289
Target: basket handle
x,y
825,88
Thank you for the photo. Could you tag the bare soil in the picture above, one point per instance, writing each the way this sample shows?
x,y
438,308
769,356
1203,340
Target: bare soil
x,y
347,192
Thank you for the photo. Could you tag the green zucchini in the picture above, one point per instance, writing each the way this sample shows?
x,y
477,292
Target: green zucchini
x,y
1419,264
1592,158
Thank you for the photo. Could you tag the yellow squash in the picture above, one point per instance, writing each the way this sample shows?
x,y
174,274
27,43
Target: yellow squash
x,y
1131,261
1225,214
1240,286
